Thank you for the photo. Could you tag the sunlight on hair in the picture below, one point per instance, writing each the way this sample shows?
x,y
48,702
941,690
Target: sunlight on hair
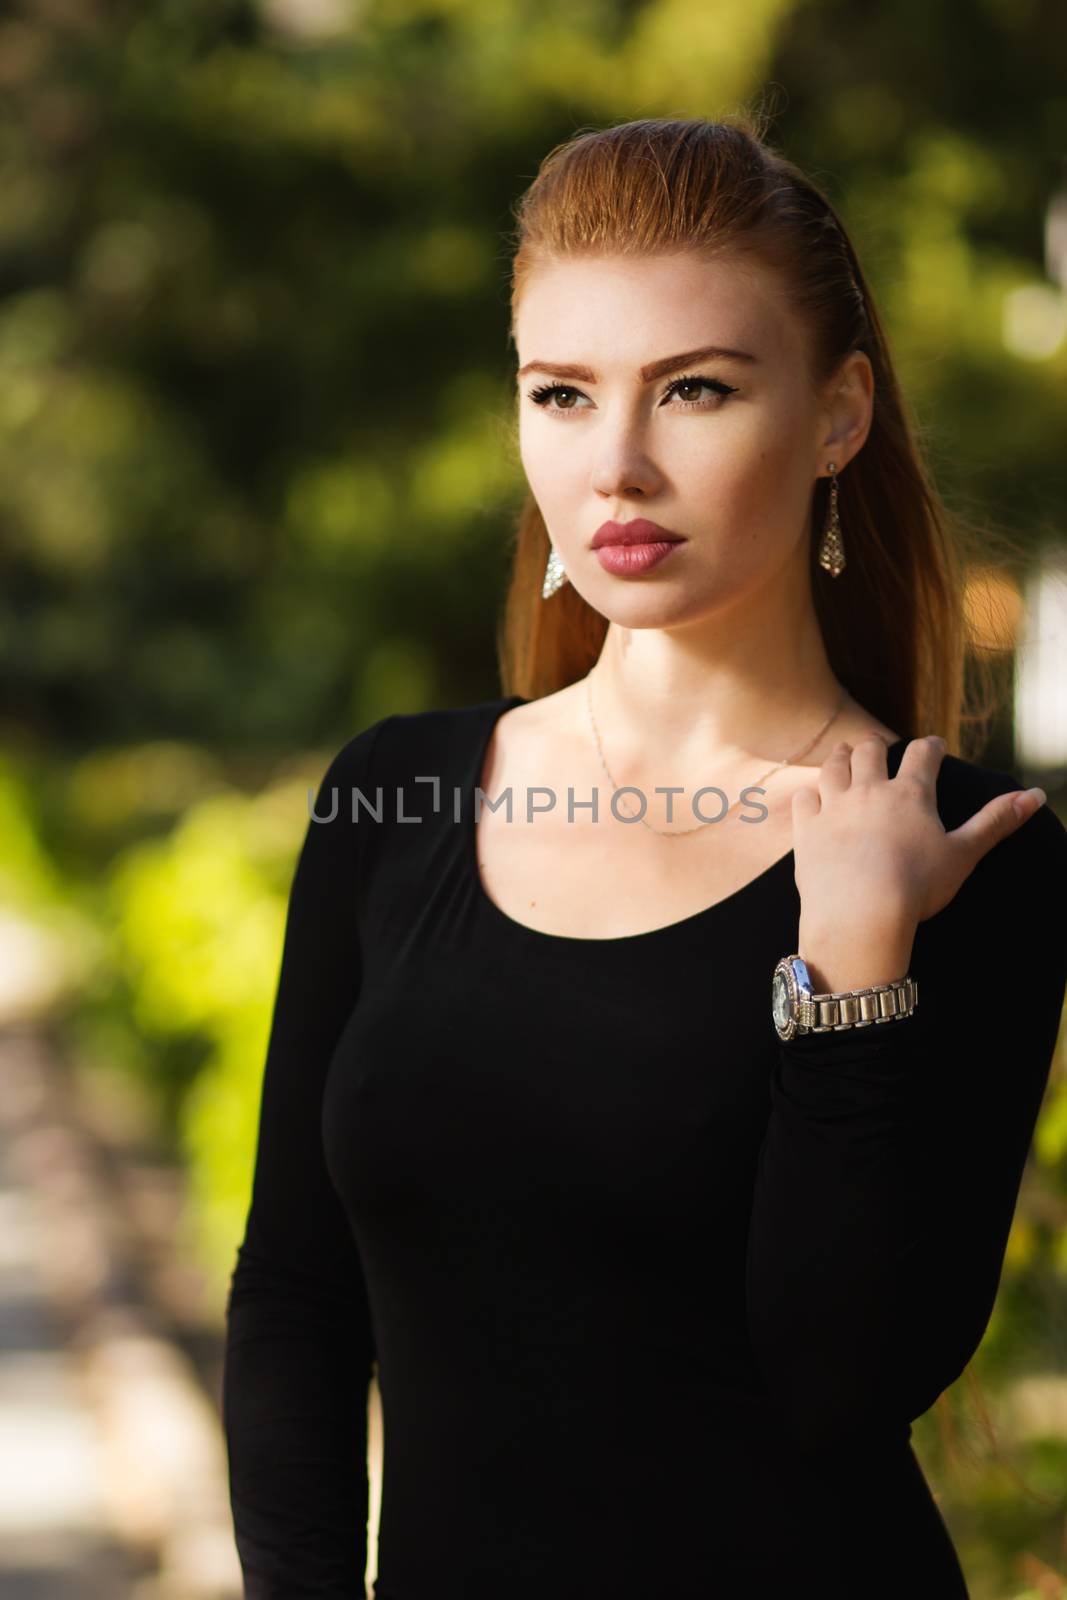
x,y
993,607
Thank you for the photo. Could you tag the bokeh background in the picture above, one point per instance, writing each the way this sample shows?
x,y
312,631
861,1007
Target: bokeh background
x,y
257,485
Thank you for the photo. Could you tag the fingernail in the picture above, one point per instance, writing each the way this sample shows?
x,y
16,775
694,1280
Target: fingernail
x,y
1021,803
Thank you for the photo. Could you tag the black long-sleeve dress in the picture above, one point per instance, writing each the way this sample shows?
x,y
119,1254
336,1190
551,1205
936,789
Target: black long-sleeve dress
x,y
654,1297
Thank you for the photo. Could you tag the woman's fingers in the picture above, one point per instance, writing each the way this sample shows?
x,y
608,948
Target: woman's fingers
x,y
997,819
869,758
835,774
860,826
866,762
922,758
861,762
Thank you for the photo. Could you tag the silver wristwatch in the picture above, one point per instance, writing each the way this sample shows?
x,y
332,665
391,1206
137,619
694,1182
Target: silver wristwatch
x,y
796,1010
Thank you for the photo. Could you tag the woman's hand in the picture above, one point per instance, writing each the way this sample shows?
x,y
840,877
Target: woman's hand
x,y
873,859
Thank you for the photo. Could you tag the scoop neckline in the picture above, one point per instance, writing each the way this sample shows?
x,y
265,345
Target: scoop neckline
x,y
680,926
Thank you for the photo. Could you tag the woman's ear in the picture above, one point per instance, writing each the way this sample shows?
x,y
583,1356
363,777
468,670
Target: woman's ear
x,y
847,410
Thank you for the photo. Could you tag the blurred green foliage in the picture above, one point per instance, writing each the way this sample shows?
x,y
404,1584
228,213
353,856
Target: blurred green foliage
x,y
257,469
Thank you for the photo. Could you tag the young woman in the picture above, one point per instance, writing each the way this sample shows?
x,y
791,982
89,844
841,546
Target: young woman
x,y
658,1253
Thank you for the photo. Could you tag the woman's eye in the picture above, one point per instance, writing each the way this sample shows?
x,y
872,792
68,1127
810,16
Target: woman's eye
x,y
541,397
680,387
722,389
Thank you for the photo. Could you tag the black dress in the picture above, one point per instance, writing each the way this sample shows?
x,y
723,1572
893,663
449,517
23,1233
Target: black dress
x,y
653,1296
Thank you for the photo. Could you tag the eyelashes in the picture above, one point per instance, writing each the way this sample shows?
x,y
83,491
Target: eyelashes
x,y
722,391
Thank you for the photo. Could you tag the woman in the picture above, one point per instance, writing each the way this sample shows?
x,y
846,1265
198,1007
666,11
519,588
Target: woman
x,y
656,1276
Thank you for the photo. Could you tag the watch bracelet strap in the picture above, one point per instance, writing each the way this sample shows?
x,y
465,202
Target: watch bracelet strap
x,y
857,1008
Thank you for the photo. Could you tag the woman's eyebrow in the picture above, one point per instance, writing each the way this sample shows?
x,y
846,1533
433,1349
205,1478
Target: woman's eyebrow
x,y
655,369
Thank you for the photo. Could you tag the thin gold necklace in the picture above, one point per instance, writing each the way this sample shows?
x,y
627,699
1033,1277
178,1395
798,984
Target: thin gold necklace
x,y
677,832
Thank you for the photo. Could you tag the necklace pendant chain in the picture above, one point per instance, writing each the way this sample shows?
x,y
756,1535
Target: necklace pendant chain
x,y
676,833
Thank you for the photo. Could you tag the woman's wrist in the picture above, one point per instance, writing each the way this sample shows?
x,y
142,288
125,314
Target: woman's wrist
x,y
848,958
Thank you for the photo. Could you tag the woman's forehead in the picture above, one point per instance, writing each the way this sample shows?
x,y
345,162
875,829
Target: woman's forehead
x,y
615,315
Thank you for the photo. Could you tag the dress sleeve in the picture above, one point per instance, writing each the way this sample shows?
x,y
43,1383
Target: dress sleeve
x,y
891,1163
299,1347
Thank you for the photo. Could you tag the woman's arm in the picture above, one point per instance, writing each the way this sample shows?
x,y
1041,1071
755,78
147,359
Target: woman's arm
x,y
299,1346
891,1164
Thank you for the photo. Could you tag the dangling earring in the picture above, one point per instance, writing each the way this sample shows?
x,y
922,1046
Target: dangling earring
x,y
831,548
555,576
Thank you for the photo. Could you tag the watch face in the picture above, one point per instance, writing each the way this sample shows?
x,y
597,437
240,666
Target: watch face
x,y
781,1000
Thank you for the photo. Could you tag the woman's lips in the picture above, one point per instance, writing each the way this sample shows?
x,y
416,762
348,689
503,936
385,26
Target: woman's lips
x,y
628,560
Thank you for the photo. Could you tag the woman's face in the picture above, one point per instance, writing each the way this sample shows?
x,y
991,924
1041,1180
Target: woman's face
x,y
727,458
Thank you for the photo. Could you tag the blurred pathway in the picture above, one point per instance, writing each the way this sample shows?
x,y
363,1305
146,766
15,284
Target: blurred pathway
x,y
54,1542
112,1464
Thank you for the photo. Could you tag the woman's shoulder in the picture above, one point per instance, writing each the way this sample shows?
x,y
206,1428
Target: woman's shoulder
x,y
438,741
